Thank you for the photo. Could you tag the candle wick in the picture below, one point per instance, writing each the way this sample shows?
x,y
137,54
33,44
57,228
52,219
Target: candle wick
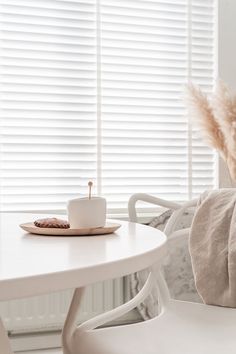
x,y
90,184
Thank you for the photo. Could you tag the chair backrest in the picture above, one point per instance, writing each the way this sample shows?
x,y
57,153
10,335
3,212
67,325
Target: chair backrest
x,y
148,199
178,213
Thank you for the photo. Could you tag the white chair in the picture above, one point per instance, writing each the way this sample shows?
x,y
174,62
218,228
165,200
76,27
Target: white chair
x,y
180,328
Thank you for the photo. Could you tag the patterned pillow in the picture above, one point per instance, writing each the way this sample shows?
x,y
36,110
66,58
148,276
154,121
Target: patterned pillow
x,y
177,268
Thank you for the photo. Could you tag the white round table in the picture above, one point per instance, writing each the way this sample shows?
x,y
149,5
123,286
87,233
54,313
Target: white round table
x,y
31,264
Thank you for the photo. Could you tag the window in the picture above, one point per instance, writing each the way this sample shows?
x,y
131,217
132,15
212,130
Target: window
x,y
93,90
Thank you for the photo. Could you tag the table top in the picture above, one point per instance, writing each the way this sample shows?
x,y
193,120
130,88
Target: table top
x,y
32,264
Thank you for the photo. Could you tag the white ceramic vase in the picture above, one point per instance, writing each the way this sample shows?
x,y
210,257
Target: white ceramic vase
x,y
87,213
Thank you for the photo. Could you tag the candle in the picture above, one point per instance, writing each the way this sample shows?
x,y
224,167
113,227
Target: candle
x,y
89,212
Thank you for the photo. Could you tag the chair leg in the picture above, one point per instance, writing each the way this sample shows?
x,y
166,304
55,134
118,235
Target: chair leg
x,y
4,340
70,323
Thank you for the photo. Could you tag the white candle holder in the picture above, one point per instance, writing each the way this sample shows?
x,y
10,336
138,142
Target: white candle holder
x,y
87,212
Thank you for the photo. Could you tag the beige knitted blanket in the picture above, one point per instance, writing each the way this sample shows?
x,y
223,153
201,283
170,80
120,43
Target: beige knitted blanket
x,y
212,247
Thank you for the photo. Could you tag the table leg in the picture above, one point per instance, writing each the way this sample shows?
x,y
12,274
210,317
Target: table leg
x,y
5,346
71,320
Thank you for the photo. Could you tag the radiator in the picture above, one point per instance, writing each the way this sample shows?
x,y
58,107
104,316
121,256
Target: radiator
x,y
48,312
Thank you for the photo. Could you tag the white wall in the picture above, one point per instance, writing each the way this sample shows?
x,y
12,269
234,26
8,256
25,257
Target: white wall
x,y
227,42
226,61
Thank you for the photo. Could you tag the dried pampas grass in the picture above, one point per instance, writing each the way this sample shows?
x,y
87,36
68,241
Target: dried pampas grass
x,y
216,118
201,111
225,114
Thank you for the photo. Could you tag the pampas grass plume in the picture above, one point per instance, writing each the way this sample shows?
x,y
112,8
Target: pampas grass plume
x,y
201,113
216,119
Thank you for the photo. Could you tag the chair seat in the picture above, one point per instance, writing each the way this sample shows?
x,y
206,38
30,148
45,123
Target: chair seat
x,y
183,328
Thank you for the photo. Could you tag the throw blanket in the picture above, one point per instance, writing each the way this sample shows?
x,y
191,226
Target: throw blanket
x,y
212,247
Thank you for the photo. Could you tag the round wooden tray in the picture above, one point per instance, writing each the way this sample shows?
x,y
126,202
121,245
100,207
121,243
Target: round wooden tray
x,y
107,229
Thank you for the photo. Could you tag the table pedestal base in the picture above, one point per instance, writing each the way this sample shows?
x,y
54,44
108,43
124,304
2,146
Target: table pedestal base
x,y
70,323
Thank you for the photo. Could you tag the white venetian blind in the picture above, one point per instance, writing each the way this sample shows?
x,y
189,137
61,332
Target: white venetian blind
x,y
149,50
93,90
48,116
